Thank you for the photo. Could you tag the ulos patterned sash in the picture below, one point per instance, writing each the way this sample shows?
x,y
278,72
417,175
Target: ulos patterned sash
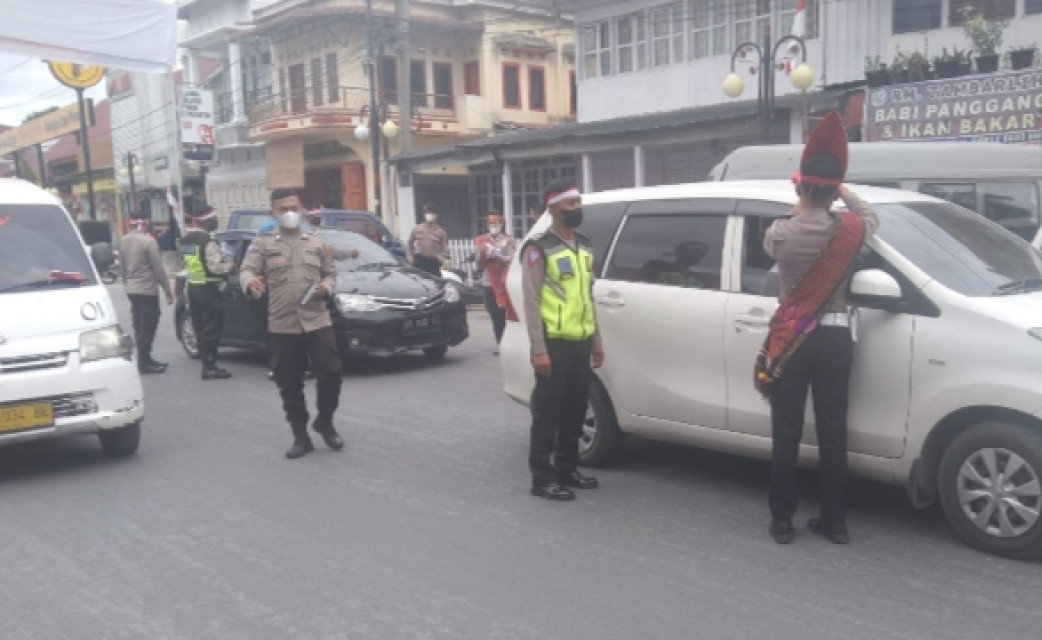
x,y
799,313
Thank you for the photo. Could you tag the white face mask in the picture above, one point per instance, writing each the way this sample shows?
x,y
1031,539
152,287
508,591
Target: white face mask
x,y
290,220
495,230
430,217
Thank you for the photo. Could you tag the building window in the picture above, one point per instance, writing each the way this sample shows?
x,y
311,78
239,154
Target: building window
x,y
472,78
537,88
317,94
573,94
442,85
632,43
916,15
333,78
418,82
596,47
718,23
1032,6
387,79
752,21
667,34
990,9
512,86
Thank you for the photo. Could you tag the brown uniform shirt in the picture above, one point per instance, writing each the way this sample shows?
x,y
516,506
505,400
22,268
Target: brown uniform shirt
x,y
289,265
796,242
428,240
141,265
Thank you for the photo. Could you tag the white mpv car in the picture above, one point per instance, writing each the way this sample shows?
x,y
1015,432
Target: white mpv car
x,y
946,394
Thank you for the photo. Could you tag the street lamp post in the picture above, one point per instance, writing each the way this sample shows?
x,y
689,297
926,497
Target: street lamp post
x,y
766,58
131,169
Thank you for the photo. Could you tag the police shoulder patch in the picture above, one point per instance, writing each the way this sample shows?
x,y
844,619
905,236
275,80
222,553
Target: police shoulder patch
x,y
533,255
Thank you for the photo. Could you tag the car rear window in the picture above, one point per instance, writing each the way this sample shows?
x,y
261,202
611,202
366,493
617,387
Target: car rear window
x,y
37,240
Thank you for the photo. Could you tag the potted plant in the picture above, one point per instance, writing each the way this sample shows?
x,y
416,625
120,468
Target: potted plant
x,y
951,64
876,74
1022,57
986,36
918,67
899,69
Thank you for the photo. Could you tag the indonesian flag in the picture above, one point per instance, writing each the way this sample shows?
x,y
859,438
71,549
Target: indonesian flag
x,y
799,21
171,200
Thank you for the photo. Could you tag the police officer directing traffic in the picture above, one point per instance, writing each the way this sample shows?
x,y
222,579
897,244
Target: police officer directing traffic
x,y
557,275
206,275
297,271
428,245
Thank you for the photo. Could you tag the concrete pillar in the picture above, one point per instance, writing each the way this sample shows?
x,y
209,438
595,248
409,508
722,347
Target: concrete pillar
x,y
508,199
235,71
406,207
587,173
638,166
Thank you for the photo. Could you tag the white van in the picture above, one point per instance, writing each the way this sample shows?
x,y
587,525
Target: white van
x,y
1002,182
946,391
66,366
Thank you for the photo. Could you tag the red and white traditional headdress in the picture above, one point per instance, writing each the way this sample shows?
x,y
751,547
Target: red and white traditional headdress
x,y
829,138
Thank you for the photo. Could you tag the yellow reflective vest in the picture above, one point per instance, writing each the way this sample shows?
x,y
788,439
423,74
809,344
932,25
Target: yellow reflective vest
x,y
566,300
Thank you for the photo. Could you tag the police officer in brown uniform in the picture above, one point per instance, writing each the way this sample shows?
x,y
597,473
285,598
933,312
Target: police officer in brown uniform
x,y
428,245
297,271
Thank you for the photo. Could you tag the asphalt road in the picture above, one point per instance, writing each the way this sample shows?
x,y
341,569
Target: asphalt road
x,y
423,528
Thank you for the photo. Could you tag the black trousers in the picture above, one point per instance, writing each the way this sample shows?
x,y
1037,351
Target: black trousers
x,y
559,410
207,307
290,355
144,315
822,364
496,312
430,265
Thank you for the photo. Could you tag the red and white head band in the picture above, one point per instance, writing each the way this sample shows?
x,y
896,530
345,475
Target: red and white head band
x,y
554,198
799,178
209,215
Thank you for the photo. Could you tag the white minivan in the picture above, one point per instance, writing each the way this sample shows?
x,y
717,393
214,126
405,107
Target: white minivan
x,y
946,394
66,365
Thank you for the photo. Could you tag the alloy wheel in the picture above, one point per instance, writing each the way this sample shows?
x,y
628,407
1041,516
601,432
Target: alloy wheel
x,y
589,432
999,492
188,338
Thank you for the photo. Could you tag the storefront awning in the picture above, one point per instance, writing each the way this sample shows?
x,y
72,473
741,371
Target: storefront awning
x,y
126,34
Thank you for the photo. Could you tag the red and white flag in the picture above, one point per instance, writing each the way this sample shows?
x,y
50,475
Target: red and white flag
x,y
171,200
799,21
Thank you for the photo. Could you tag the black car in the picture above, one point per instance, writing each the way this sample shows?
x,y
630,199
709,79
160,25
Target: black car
x,y
361,222
380,307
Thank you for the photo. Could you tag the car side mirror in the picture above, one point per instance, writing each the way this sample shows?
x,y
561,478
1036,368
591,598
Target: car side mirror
x,y
875,284
102,256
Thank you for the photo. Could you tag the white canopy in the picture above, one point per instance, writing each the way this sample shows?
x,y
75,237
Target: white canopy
x,y
127,34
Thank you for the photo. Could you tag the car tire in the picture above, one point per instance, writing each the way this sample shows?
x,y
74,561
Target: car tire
x,y
1003,520
186,334
436,353
121,442
602,442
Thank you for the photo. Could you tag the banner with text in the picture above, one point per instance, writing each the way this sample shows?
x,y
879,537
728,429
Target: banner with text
x,y
997,107
197,141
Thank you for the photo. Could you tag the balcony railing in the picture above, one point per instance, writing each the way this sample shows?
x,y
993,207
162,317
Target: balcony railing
x,y
311,100
224,103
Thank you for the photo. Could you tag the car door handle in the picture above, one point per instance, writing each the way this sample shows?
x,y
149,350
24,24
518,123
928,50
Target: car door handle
x,y
750,321
611,301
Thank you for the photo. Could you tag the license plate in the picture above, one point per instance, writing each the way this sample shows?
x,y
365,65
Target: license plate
x,y
421,324
26,416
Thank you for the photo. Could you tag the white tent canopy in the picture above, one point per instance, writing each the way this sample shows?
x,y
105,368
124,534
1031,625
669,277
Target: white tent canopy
x,y
127,34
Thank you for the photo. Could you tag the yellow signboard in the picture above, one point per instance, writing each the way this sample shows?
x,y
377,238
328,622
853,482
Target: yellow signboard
x,y
77,76
105,184
53,125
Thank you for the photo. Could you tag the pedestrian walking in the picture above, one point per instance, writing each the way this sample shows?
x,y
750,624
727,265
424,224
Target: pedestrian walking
x,y
296,269
809,343
141,267
557,274
428,245
495,250
207,273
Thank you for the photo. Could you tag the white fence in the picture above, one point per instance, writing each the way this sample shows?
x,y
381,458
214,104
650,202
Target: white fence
x,y
461,250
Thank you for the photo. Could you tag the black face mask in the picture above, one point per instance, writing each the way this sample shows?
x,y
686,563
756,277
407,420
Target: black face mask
x,y
572,217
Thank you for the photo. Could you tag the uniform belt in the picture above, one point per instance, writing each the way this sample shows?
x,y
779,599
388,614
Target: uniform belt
x,y
835,319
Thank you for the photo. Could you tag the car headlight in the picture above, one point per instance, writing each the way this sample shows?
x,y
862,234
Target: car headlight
x,y
109,342
451,294
352,303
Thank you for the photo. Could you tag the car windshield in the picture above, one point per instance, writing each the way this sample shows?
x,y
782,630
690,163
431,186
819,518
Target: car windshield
x,y
39,248
346,243
960,249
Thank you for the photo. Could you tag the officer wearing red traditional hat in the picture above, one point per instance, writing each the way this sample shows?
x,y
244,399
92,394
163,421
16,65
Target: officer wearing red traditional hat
x,y
557,276
809,344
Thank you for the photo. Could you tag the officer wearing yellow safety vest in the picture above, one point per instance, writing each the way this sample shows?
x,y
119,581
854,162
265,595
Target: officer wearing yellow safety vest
x,y
557,273
206,274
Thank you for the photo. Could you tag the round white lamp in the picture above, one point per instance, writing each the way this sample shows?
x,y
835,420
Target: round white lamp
x,y
733,85
802,77
390,129
362,132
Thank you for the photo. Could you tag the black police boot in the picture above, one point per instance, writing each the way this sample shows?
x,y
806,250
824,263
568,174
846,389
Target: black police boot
x,y
782,531
151,367
576,480
301,442
216,373
553,491
836,532
325,429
